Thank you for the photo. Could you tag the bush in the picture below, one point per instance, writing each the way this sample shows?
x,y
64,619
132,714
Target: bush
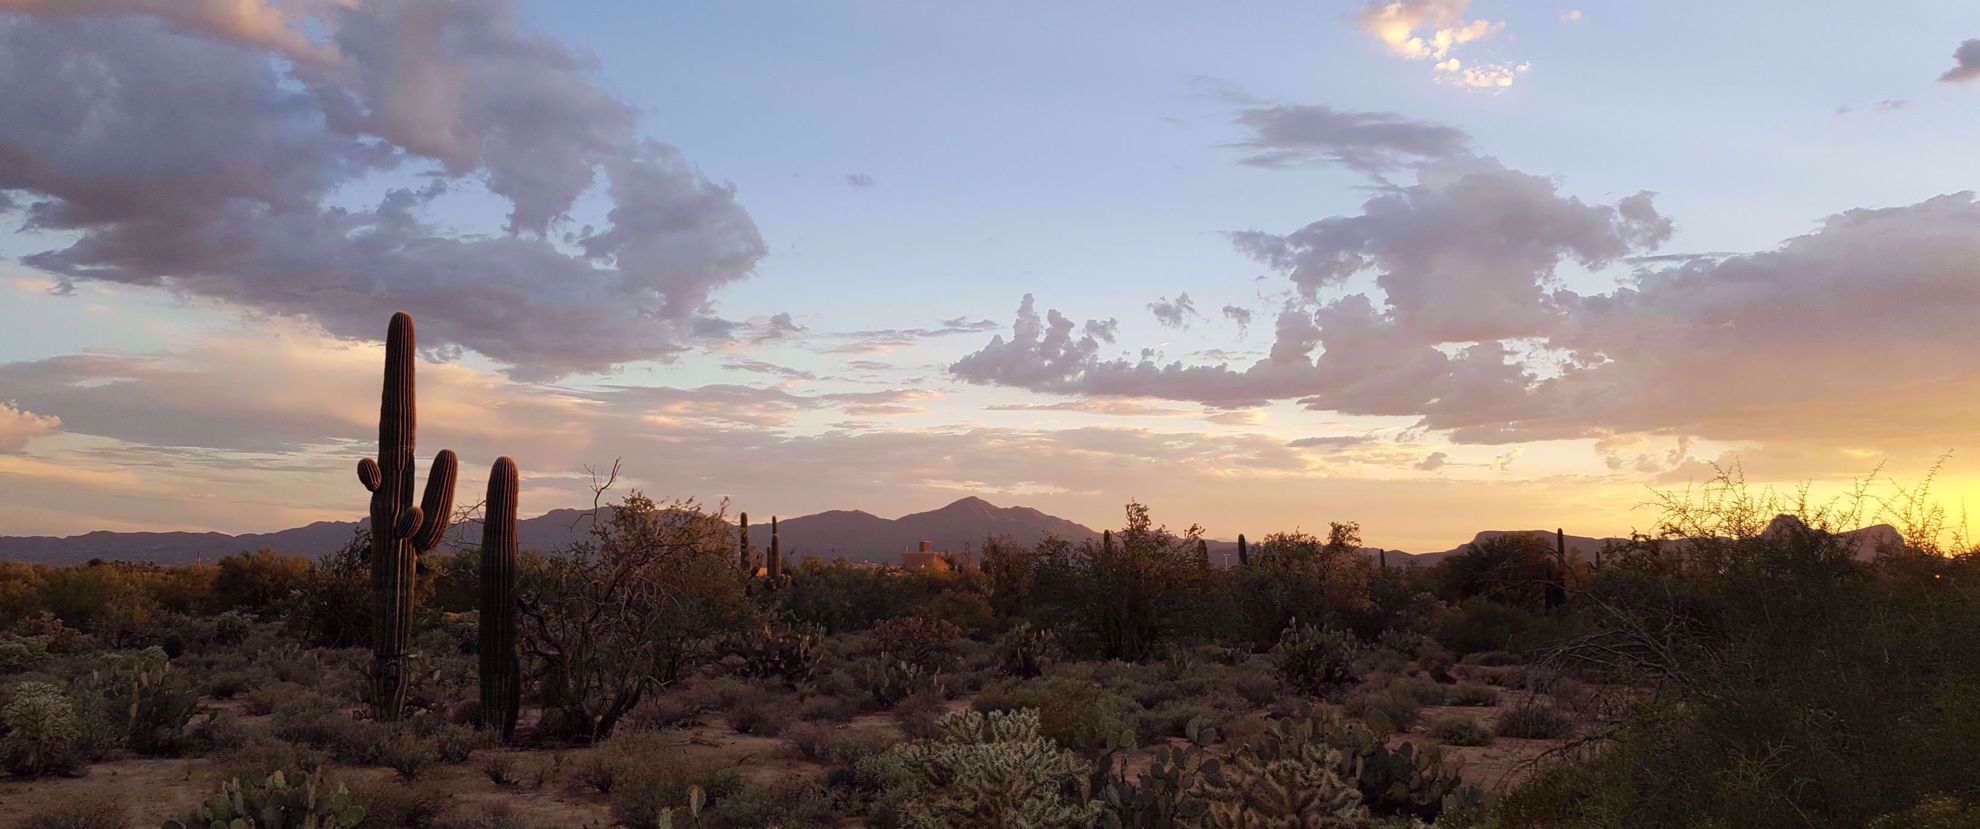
x,y
402,805
1534,721
408,754
787,803
21,653
650,777
1315,661
1471,694
929,644
1387,711
918,713
43,734
77,814
1255,687
827,707
1079,715
143,702
756,711
1455,730
839,746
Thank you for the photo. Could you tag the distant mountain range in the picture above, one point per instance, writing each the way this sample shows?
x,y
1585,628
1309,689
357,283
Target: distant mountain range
x,y
853,534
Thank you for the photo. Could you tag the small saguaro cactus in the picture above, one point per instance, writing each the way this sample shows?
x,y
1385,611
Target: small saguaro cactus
x,y
1107,541
773,564
1557,587
400,532
1244,553
501,668
744,559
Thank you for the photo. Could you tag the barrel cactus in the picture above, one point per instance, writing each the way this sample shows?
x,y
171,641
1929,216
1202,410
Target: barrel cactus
x,y
501,671
400,532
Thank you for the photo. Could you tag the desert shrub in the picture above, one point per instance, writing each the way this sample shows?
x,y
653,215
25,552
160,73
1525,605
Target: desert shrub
x,y
1387,710
217,731
1455,730
757,711
887,681
839,746
262,755
785,802
258,582
1173,719
1534,721
1491,659
229,684
141,701
390,804
77,814
1471,694
1026,650
318,723
21,653
1078,715
408,754
984,770
1423,690
1480,624
1315,661
827,708
917,715
1256,687
494,816
627,611
785,652
650,781
500,769
43,734
929,644
311,801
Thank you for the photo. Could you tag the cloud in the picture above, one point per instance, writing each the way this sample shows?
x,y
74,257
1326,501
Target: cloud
x,y
1289,135
174,148
1966,63
1241,316
859,181
761,367
1571,16
1098,406
1463,254
1433,462
887,339
1433,30
18,426
1235,417
1176,313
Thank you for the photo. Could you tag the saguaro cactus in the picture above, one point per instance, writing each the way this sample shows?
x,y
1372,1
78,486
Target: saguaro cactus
x,y
744,559
1107,541
1244,554
399,530
773,564
1557,590
501,668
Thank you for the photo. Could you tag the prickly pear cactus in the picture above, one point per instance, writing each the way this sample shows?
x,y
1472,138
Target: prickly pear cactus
x,y
275,804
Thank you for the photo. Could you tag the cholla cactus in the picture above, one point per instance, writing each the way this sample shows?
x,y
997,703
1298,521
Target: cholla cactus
x,y
995,770
274,804
400,532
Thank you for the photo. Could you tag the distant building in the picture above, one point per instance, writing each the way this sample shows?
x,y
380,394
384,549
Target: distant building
x,y
928,559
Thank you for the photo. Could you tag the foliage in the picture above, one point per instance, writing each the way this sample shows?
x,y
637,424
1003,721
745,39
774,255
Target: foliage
x,y
1457,730
1534,721
42,732
626,612
929,644
77,814
1315,661
1026,650
989,771
789,653
143,701
276,804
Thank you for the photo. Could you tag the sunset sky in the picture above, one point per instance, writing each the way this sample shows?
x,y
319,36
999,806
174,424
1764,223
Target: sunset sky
x,y
1435,266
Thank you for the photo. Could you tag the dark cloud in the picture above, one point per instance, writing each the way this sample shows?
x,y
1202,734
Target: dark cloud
x,y
1175,313
1433,462
1241,316
178,151
1966,63
1290,135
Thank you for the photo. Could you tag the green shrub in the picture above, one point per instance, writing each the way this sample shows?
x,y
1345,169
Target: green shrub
x,y
787,803
754,710
839,746
1534,721
408,754
392,804
274,803
828,708
1455,730
145,703
77,814
1026,650
917,715
1079,715
43,734
651,777
21,653
1315,661
1256,687
1471,694
1387,711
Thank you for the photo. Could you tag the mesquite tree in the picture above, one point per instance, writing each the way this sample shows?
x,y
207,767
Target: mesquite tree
x,y
400,532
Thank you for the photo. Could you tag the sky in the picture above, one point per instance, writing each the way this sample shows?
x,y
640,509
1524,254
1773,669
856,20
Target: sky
x,y
1434,266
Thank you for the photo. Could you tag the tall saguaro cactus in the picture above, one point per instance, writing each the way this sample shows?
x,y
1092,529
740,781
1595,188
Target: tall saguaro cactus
x,y
743,559
1244,554
501,668
400,532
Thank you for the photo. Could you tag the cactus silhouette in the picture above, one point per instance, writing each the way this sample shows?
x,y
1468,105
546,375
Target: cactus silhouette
x,y
400,532
1244,553
501,669
743,559
773,565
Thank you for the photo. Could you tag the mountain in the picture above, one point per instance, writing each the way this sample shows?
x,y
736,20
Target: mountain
x,y
856,535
